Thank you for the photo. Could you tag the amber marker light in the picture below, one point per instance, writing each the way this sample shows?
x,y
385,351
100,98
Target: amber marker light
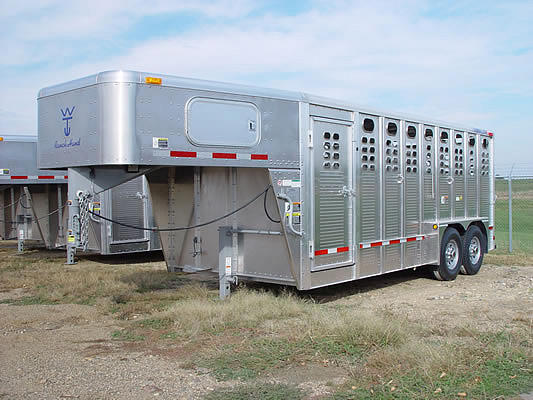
x,y
1,139
435,226
153,81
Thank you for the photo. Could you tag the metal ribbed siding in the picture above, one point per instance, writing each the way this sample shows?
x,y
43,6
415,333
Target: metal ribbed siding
x,y
443,171
484,178
411,171
128,208
471,177
457,160
429,172
392,194
429,197
369,215
369,201
370,220
331,210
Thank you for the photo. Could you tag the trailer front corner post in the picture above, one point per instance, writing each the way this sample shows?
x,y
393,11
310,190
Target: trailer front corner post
x,y
73,229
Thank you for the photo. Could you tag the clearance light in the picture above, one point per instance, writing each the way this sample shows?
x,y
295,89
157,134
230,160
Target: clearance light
x,y
153,81
1,138
490,134
435,226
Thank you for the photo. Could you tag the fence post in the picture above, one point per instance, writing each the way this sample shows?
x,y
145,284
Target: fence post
x,y
510,216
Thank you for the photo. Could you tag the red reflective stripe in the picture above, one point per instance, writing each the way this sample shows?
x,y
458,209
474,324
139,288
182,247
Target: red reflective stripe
x,y
321,252
395,241
411,239
182,154
19,177
342,249
376,244
46,177
231,156
259,157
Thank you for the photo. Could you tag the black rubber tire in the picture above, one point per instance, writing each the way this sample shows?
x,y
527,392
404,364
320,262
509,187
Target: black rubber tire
x,y
443,272
468,267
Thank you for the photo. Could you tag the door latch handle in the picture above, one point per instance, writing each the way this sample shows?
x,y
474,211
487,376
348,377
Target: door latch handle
x,y
450,180
399,178
345,192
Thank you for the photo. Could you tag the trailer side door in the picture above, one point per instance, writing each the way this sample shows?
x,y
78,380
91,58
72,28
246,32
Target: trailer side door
x,y
332,199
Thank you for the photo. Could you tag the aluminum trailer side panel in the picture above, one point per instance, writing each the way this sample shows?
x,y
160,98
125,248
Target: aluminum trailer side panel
x,y
360,192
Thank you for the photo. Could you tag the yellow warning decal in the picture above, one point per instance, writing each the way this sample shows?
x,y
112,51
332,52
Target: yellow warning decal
x,y
71,239
153,81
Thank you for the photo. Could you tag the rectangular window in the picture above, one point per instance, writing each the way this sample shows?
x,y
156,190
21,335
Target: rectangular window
x,y
218,122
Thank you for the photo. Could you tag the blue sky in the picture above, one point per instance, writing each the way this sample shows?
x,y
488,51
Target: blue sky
x,y
469,62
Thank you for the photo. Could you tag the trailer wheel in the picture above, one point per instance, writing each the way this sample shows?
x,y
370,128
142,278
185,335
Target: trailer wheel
x,y
451,256
473,245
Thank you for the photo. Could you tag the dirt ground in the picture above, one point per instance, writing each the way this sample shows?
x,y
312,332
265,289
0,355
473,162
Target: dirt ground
x,y
66,351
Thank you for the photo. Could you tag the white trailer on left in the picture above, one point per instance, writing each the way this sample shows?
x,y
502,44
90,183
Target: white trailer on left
x,y
32,200
33,203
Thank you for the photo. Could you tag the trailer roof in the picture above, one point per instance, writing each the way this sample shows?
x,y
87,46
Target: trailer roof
x,y
125,76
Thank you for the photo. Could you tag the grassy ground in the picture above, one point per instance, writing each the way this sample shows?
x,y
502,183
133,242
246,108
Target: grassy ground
x,y
261,332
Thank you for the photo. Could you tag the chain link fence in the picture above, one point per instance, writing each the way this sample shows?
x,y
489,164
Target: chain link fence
x,y
514,207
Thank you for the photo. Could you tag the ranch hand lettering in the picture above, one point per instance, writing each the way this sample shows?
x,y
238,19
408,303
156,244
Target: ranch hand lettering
x,y
70,143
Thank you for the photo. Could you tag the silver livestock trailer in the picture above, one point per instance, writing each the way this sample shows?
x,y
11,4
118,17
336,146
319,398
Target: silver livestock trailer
x,y
33,201
275,186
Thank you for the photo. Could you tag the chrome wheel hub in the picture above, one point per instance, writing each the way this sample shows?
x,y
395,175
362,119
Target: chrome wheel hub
x,y
452,254
474,250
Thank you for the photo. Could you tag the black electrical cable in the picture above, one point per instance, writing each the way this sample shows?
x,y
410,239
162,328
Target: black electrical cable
x,y
182,228
20,201
265,207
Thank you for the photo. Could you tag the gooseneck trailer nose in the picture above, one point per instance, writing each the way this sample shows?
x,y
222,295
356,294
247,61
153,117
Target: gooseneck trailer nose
x,y
275,186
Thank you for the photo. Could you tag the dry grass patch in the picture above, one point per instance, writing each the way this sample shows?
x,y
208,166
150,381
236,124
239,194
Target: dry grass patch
x,y
357,328
276,331
244,310
123,289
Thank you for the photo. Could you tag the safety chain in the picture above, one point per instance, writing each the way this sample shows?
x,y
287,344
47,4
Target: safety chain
x,y
84,204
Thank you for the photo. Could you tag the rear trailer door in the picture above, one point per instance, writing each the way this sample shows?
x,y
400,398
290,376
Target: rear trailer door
x,y
332,194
